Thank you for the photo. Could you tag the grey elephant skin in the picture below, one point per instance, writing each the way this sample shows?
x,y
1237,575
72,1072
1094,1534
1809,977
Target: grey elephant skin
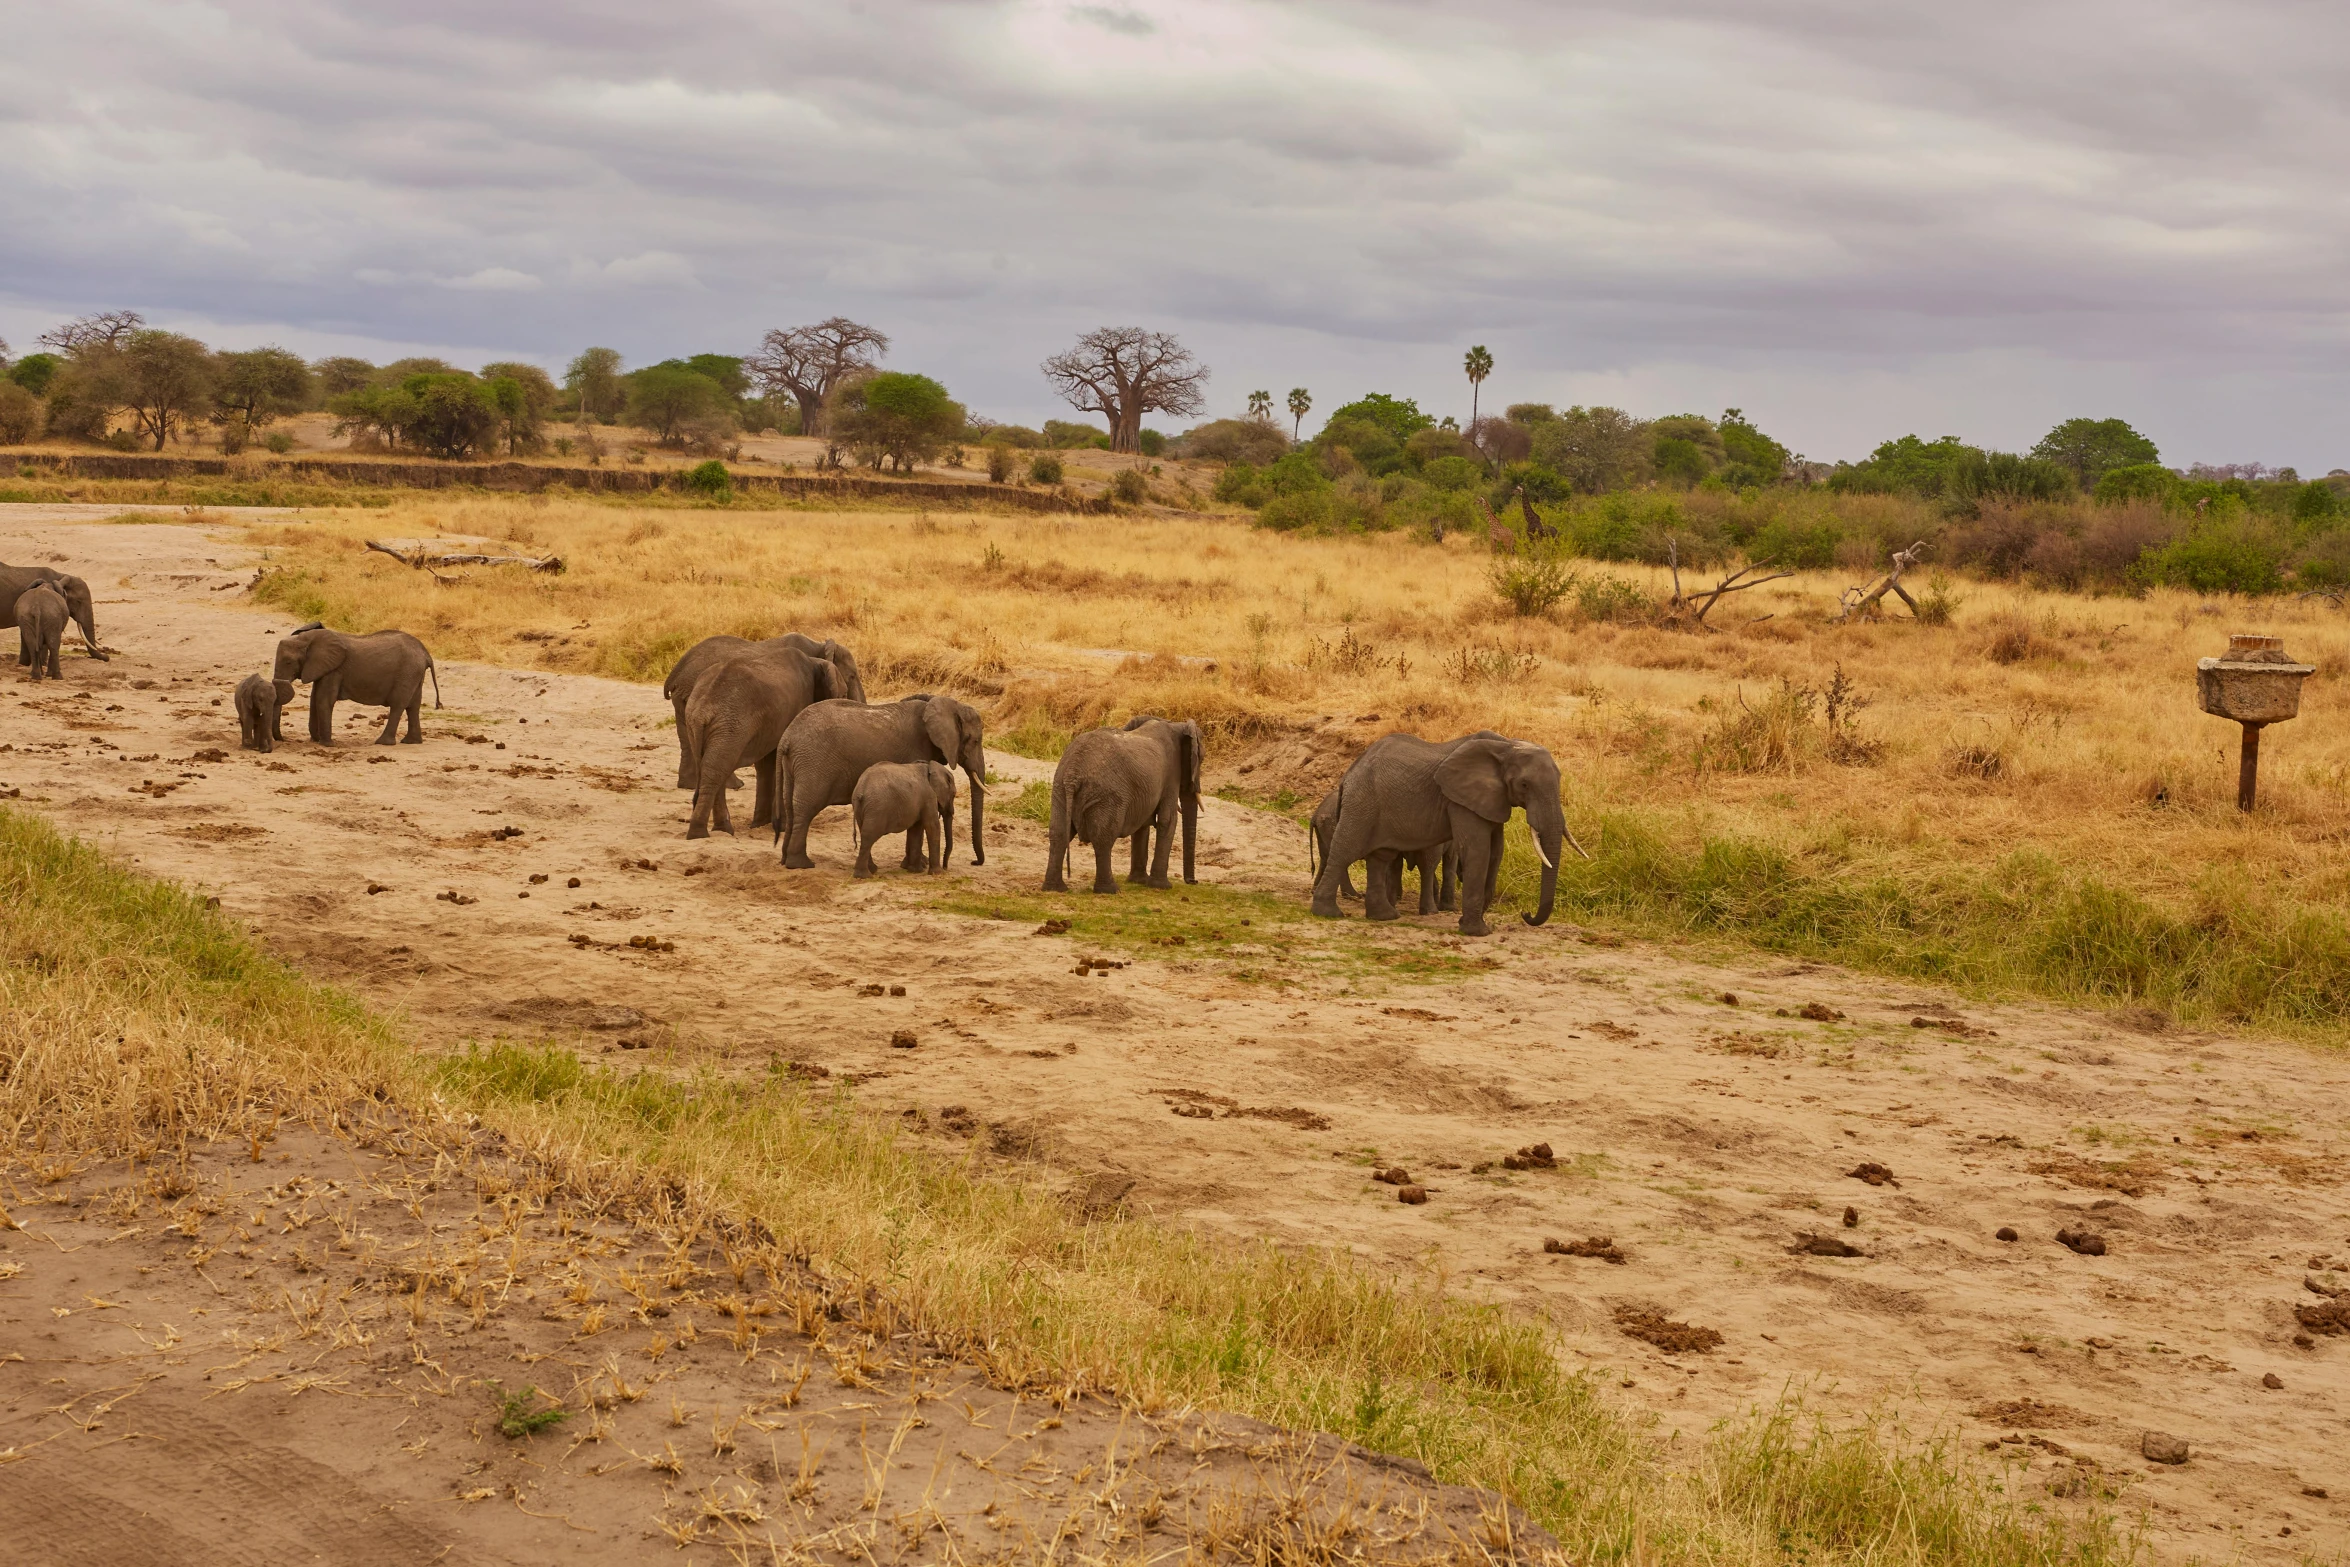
x,y
1126,783
1434,866
1405,793
380,669
907,797
829,746
737,713
39,612
15,579
711,652
261,704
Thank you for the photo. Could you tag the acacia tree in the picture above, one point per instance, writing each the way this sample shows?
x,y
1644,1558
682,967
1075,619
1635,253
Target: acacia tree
x,y
1124,372
895,418
808,362
1301,403
595,377
163,378
1477,364
523,393
253,386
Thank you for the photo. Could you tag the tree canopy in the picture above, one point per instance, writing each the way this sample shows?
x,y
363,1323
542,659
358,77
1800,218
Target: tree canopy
x,y
894,418
1125,372
2090,448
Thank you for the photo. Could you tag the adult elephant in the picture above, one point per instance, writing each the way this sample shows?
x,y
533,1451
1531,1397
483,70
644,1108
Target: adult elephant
x,y
829,746
737,713
711,652
15,580
1126,783
1434,865
379,669
1405,793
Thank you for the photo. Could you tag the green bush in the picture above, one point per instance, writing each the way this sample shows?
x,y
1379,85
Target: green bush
x,y
1153,443
1612,598
1242,484
20,413
999,463
1298,511
2146,481
1533,581
1794,547
1045,468
1129,488
1452,473
2316,507
278,441
2229,555
710,479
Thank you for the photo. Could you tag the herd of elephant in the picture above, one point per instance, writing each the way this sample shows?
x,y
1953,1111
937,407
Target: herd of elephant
x,y
793,709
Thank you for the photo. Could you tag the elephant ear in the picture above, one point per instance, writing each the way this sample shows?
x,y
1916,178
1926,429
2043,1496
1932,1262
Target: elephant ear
x,y
940,725
1472,778
322,656
823,683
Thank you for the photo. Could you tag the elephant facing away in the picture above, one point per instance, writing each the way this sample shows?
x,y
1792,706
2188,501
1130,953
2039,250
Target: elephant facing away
x,y
738,713
1406,794
829,746
380,669
39,613
14,580
711,652
260,704
907,797
1126,783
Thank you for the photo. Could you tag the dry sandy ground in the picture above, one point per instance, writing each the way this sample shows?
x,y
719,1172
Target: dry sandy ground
x,y
306,1349
1707,1138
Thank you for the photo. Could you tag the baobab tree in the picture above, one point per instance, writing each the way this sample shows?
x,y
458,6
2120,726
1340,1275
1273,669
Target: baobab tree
x,y
1479,364
1301,403
1124,372
102,333
810,361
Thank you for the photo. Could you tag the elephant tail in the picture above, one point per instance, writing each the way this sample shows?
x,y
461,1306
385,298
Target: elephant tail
x,y
435,671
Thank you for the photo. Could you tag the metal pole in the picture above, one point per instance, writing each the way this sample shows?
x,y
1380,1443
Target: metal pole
x,y
2248,771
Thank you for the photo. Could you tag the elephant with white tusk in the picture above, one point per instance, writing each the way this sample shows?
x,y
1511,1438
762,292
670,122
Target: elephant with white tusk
x,y
829,746
1405,794
380,669
712,652
1126,783
14,580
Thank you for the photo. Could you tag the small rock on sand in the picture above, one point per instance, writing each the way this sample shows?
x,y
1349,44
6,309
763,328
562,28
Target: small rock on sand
x,y
2160,1447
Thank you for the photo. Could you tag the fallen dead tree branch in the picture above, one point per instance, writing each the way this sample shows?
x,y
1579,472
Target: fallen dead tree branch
x,y
421,561
1855,601
1690,609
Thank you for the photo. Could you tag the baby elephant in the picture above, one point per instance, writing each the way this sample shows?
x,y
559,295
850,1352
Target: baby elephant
x,y
915,798
260,701
40,627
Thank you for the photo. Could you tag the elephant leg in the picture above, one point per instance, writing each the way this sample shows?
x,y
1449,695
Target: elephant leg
x,y
915,849
1475,840
1493,866
1103,881
687,773
1425,863
1139,852
415,734
1056,861
1381,879
1447,879
763,794
322,713
1165,829
865,867
796,822
934,840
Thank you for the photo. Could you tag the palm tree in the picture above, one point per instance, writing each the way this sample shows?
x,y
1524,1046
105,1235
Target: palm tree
x,y
1479,365
1260,406
1301,402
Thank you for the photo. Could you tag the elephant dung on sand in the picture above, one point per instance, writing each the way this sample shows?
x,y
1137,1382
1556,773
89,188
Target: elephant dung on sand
x,y
711,652
14,580
1126,783
1405,794
907,797
829,746
381,669
260,704
39,613
738,712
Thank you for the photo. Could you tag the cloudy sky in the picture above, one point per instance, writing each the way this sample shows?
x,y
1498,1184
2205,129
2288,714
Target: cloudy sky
x,y
1851,218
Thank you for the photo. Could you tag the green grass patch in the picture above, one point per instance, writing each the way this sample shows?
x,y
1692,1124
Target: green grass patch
x,y
1034,803
1033,738
1282,802
2027,924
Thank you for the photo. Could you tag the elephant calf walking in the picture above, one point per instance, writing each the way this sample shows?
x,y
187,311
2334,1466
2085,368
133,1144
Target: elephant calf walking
x,y
39,613
1126,783
907,797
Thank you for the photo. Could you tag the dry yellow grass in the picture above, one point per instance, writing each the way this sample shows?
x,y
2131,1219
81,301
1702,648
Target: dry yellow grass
x,y
2063,729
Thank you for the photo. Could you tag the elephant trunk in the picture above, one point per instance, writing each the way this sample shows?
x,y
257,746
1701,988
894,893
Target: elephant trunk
x,y
1187,752
1550,869
978,819
85,617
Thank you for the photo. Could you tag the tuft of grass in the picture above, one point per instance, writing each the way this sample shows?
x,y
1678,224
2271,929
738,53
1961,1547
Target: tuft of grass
x,y
518,1419
129,1010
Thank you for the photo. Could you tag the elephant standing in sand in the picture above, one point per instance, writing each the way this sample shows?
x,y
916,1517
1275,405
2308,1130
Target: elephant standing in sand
x,y
1405,793
1434,865
1126,783
380,669
907,797
829,746
15,579
711,652
737,713
39,613
260,705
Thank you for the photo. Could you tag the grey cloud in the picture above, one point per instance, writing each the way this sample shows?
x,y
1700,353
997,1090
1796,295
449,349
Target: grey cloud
x,y
1849,218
